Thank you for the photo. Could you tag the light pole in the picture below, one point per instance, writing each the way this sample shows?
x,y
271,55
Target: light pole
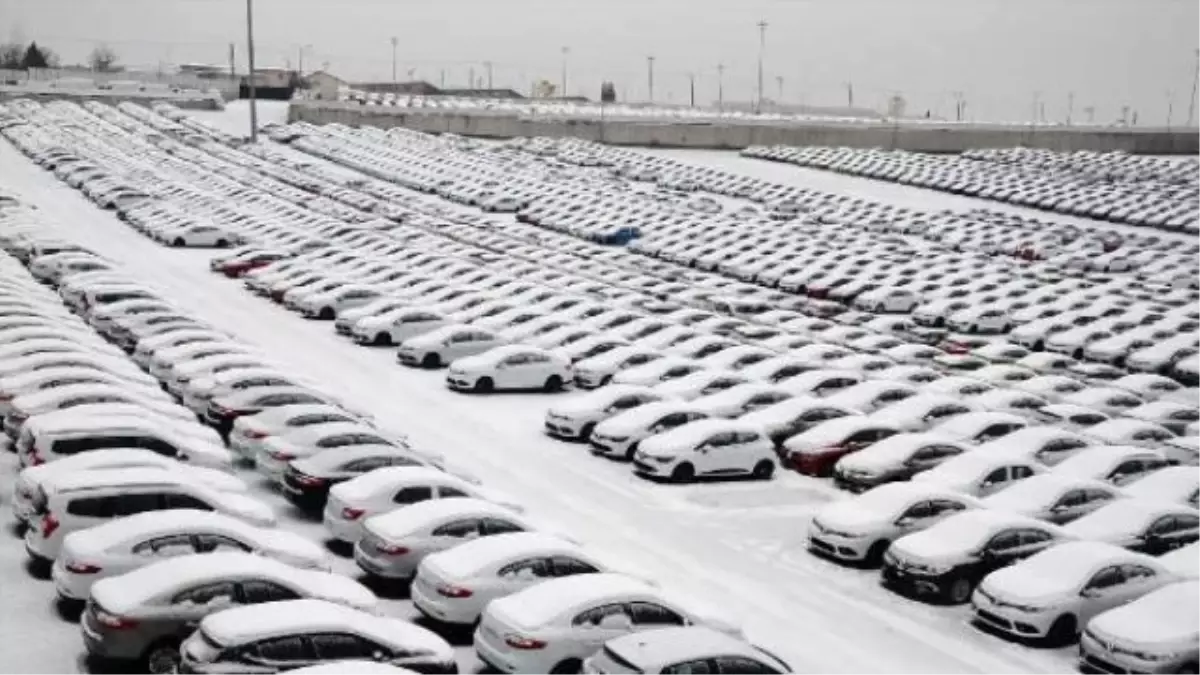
x,y
395,41
762,48
692,89
1195,81
721,87
488,65
650,77
779,83
250,78
565,52
1033,109
1170,107
300,59
1070,106
849,94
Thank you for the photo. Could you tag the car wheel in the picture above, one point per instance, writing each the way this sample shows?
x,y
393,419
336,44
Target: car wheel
x,y
178,241
1039,346
586,432
383,340
161,657
431,360
879,309
959,591
221,243
607,379
764,470
484,385
325,314
939,322
553,383
1078,354
1005,328
684,473
567,666
874,555
1063,631
973,329
632,450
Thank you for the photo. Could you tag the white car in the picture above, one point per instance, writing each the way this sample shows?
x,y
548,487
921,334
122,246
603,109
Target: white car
x,y
980,427
124,544
249,431
682,649
455,585
862,527
274,452
981,473
1146,525
510,368
447,344
1179,484
394,543
397,326
1116,464
658,371
353,502
329,304
576,417
600,369
920,412
1056,592
1129,431
707,448
700,383
553,626
1048,445
621,435
741,399
1155,633
1053,497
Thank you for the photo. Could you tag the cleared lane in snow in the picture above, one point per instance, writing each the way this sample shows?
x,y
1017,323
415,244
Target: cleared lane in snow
x,y
710,542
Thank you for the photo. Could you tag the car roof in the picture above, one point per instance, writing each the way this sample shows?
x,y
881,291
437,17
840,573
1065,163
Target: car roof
x,y
412,518
651,650
86,479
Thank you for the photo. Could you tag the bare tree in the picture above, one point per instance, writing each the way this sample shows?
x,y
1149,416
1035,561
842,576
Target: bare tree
x,y
103,59
11,55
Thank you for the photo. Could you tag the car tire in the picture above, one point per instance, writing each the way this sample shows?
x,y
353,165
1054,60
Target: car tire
x,y
484,385
1062,631
684,473
874,556
973,329
879,309
382,340
606,380
939,322
161,657
567,666
431,360
178,241
221,243
959,591
586,432
326,314
1039,346
764,470
553,383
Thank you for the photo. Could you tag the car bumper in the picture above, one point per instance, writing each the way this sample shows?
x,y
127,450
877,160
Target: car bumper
x,y
1011,621
838,547
913,583
488,650
391,567
70,586
459,382
564,428
608,447
428,602
339,528
1095,658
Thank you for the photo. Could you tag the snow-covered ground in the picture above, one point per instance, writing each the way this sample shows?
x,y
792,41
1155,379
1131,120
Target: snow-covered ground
x,y
739,547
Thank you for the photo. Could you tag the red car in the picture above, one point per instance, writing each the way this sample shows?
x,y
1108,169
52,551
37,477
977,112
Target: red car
x,y
815,451
239,265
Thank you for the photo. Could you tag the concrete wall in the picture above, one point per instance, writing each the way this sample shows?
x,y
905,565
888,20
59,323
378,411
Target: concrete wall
x,y
194,101
913,136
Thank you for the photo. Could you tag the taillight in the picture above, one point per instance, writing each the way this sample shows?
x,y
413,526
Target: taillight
x,y
352,514
256,434
82,568
389,549
454,591
521,642
282,455
311,481
115,622
831,449
49,525
35,459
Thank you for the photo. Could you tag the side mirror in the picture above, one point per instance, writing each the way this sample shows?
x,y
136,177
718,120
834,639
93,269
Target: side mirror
x,y
616,622
378,655
1089,593
904,521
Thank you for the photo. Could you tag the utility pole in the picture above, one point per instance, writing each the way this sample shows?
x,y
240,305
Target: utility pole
x,y
443,79
849,94
1033,109
721,87
250,77
470,77
1170,107
565,51
1195,81
762,48
650,77
1070,106
300,61
488,65
395,41
779,83
692,89
232,62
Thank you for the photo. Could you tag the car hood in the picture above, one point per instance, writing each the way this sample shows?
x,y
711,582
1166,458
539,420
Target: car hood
x,y
247,509
850,517
1013,584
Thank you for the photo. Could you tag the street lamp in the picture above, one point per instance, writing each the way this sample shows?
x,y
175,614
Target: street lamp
x,y
250,79
762,48
650,77
721,87
565,52
300,59
395,41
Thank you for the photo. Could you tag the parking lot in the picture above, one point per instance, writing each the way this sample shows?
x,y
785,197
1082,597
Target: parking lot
x,y
741,545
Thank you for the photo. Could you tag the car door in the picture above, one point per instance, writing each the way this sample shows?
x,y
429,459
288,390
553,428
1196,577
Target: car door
x,y
711,456
916,517
1071,505
597,625
1055,451
926,458
1127,471
509,371
1107,588
1170,532
276,654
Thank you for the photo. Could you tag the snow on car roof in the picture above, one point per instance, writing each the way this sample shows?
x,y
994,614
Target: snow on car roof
x,y
787,409
538,605
1040,491
966,530
1164,617
329,458
1123,517
406,520
150,523
1034,435
644,414
133,589
351,666
1061,568
651,650
255,622
694,432
1170,483
973,421
1099,459
600,398
389,477
894,449
833,430
117,477
472,557
1183,562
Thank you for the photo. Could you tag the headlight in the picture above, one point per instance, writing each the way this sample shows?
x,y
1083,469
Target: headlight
x,y
660,459
1028,609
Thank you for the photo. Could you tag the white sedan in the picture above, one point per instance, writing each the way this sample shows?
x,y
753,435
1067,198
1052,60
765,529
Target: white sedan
x,y
510,368
710,448
575,418
447,344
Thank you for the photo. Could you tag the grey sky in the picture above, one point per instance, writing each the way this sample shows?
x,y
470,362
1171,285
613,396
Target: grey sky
x,y
997,52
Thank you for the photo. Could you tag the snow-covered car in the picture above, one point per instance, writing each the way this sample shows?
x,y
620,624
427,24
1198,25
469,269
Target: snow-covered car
x,y
682,649
276,451
741,399
946,561
576,417
600,369
700,383
1129,431
355,501
861,528
920,412
446,344
143,615
249,431
817,450
895,458
1045,444
1178,484
1174,416
397,326
794,416
235,639
392,544
621,435
306,482
980,473
1053,497
455,585
1146,525
707,448
1155,633
127,543
1056,592
510,368
980,427
553,626
657,371
1116,464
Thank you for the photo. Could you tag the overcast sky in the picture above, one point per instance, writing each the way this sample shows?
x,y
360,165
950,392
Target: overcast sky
x,y
999,53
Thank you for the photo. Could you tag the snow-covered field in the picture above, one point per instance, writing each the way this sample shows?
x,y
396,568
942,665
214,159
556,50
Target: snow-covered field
x,y
740,547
